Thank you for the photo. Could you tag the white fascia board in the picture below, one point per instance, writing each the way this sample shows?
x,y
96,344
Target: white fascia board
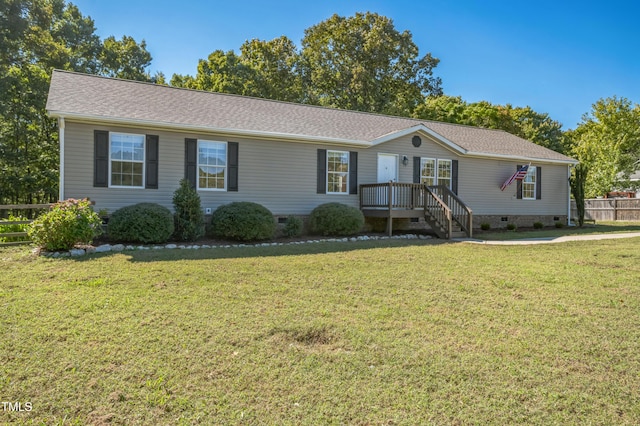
x,y
420,128
207,129
520,158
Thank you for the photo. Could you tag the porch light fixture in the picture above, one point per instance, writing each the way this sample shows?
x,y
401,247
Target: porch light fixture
x,y
405,160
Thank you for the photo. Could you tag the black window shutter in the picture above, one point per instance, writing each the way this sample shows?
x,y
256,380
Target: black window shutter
x,y
519,185
538,183
191,161
353,172
151,173
416,169
101,158
322,171
232,163
454,176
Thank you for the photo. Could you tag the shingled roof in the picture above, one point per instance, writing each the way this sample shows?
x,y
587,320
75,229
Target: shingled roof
x,y
109,100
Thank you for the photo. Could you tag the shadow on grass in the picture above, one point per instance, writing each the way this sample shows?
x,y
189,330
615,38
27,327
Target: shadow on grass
x,y
310,248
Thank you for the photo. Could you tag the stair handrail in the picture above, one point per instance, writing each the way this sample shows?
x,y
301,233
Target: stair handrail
x,y
461,213
443,219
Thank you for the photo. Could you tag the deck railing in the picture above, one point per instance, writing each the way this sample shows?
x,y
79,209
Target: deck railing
x,y
391,195
442,204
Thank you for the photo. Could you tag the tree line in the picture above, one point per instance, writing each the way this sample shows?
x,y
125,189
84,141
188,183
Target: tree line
x,y
360,63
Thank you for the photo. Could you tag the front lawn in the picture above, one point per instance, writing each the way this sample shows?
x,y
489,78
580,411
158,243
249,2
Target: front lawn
x,y
372,332
520,233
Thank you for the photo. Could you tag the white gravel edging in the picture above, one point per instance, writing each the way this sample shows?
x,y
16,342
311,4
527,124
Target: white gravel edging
x,y
107,248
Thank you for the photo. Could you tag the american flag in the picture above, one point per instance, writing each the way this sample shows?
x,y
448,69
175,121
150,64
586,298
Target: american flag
x,y
518,175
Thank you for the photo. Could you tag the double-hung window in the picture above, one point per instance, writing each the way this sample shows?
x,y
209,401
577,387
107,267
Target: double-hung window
x,y
126,160
444,173
428,171
337,172
529,184
435,172
212,165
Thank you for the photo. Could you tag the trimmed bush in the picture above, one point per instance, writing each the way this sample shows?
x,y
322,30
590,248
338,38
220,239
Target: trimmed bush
x,y
511,227
485,226
559,224
335,219
146,223
66,224
243,221
538,225
293,226
188,217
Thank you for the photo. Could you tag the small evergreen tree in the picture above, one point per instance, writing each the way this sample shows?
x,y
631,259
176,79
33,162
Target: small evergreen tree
x,y
577,189
189,218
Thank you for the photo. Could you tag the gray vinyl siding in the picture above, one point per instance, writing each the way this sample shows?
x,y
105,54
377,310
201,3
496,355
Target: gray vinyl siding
x,y
279,175
479,179
282,175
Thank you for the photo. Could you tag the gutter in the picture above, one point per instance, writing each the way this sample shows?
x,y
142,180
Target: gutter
x,y
61,126
300,138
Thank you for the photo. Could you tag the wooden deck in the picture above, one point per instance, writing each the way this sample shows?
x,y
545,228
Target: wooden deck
x,y
440,207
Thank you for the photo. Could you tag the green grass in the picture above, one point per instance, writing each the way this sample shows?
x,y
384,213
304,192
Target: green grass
x,y
378,332
598,228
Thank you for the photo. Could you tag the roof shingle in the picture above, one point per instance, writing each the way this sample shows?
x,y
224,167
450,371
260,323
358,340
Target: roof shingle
x,y
107,99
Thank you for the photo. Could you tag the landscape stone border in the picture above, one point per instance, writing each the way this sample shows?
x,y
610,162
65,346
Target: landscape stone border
x,y
107,248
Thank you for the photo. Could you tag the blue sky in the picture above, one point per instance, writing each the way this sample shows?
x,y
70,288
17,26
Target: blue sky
x,y
557,56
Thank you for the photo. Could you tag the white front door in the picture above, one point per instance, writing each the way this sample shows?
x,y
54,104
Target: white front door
x,y
387,168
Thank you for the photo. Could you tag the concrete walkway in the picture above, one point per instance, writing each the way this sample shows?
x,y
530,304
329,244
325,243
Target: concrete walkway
x,y
550,240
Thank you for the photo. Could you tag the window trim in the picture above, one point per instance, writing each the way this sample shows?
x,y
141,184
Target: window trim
x,y
436,170
445,160
531,171
348,172
144,161
226,166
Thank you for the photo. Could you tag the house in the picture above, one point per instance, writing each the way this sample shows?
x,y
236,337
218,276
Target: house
x,y
124,142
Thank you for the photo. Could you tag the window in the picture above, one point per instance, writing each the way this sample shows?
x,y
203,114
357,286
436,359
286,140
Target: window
x,y
212,165
444,173
435,172
126,160
337,172
428,171
529,184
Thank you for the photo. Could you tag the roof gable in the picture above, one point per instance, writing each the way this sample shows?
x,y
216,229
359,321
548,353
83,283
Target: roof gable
x,y
95,98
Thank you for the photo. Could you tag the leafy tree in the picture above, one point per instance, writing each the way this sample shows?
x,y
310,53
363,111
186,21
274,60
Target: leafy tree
x,y
524,122
274,66
221,72
37,36
363,63
125,59
360,63
607,141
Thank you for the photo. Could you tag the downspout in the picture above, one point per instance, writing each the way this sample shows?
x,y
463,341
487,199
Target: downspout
x,y
569,195
61,140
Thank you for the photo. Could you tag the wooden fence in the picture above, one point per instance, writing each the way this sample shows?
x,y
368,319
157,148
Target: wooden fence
x,y
609,209
28,210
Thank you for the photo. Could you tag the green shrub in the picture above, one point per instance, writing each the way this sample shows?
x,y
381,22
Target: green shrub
x,y
293,226
538,225
559,224
244,221
335,219
511,226
146,223
485,226
66,224
188,216
11,227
